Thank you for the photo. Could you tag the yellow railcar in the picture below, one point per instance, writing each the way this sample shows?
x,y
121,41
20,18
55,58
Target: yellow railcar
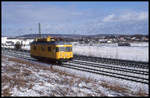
x,y
48,48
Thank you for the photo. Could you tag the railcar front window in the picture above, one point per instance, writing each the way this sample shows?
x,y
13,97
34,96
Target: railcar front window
x,y
60,49
65,49
68,49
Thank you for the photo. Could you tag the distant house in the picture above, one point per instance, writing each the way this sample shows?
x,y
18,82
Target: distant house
x,y
102,40
124,44
109,41
15,40
3,40
133,38
12,41
9,43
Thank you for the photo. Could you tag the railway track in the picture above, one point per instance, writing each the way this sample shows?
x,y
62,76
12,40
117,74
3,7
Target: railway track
x,y
121,62
131,73
111,67
110,74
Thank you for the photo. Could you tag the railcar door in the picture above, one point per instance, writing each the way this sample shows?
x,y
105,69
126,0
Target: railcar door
x,y
51,51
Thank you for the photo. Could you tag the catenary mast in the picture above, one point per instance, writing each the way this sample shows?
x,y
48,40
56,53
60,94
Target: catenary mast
x,y
39,30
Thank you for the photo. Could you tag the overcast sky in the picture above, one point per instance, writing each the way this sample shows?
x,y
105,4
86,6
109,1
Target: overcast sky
x,y
20,18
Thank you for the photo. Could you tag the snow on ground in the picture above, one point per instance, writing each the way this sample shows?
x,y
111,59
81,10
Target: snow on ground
x,y
139,44
22,78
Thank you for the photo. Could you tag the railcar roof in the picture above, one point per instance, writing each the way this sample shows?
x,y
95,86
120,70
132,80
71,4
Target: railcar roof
x,y
51,43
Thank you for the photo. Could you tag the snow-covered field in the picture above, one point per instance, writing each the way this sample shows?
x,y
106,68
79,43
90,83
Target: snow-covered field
x,y
137,51
23,78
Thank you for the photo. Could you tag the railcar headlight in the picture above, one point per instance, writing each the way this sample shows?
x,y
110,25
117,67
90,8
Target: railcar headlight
x,y
65,55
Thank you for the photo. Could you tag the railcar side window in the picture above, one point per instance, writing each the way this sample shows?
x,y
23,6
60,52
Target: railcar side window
x,y
57,49
42,48
49,48
34,47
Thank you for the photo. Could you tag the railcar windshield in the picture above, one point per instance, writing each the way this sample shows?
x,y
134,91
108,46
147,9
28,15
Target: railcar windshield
x,y
68,49
65,49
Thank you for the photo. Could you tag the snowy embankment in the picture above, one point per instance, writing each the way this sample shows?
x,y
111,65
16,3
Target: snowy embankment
x,y
137,51
23,78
